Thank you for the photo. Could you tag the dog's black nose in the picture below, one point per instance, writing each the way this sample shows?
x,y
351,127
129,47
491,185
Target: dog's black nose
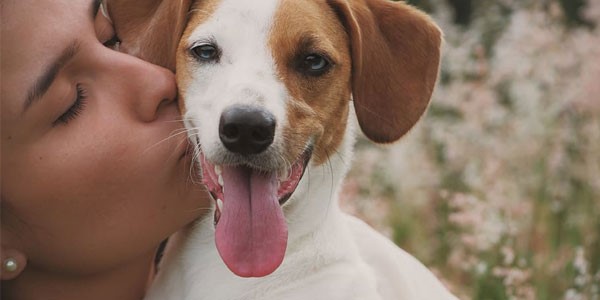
x,y
246,129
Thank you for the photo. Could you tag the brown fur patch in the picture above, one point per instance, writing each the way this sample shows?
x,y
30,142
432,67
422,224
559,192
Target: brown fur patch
x,y
318,106
150,29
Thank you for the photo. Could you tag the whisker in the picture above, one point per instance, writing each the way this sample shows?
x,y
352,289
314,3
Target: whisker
x,y
206,209
195,163
170,136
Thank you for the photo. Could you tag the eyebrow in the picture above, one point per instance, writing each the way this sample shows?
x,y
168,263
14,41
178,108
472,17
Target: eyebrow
x,y
43,83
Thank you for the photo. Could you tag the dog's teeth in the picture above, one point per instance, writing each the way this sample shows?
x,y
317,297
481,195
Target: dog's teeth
x,y
220,180
218,170
220,204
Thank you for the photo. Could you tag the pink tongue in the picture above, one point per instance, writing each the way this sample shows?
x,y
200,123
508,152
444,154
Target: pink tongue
x,y
251,235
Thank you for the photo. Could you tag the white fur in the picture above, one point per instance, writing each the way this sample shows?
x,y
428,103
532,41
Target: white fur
x,y
330,255
245,74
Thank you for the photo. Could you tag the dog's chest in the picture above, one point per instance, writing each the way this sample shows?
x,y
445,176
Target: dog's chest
x,y
323,265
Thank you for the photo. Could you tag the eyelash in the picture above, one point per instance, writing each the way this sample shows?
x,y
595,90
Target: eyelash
x,y
75,109
81,99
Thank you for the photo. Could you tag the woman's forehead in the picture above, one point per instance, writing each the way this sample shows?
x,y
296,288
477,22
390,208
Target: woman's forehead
x,y
33,34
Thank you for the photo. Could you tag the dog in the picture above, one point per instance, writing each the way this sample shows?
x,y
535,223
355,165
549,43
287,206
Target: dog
x,y
269,93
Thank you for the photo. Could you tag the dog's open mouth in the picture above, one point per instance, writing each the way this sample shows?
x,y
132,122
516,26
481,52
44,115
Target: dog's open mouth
x,y
251,231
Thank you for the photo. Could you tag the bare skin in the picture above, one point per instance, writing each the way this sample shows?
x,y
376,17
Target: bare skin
x,y
94,168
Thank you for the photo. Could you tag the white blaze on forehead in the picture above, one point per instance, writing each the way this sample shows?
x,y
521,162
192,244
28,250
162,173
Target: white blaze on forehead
x,y
248,17
241,31
245,73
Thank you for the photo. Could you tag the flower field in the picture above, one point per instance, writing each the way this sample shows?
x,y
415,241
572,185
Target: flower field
x,y
497,189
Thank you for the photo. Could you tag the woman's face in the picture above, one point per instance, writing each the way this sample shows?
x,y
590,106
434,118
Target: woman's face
x,y
94,165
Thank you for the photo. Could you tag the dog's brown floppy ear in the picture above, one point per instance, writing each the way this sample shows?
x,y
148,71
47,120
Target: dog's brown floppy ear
x,y
395,56
150,29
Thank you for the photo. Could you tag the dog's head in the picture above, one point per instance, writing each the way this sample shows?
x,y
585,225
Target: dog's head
x,y
266,87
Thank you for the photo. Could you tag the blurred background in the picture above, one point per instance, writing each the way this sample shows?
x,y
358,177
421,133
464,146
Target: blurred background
x,y
497,189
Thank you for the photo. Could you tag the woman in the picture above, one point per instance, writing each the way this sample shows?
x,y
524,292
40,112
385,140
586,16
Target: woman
x,y
95,170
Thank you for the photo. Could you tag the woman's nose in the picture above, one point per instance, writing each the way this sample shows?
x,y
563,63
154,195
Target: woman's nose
x,y
152,88
157,90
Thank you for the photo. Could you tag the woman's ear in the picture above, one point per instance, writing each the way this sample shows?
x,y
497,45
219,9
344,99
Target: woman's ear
x,y
395,55
13,263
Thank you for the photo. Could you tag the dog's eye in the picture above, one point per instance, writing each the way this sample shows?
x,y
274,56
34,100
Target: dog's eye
x,y
315,65
205,52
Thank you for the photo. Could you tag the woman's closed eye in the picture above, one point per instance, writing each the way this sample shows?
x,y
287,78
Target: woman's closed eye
x,y
104,29
75,109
